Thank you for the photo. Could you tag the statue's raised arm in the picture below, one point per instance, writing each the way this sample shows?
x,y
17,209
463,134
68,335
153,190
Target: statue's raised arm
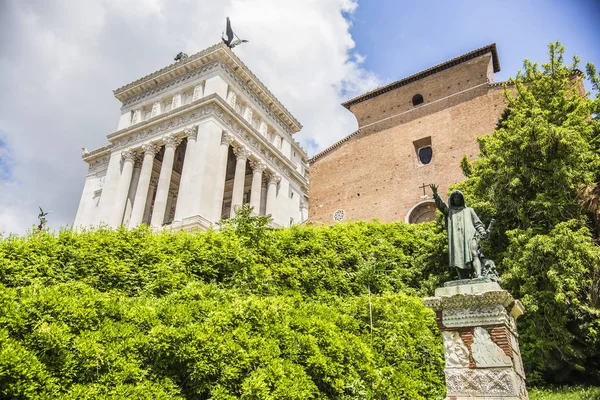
x,y
441,205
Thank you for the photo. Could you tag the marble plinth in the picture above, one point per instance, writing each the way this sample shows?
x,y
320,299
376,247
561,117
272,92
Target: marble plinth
x,y
477,319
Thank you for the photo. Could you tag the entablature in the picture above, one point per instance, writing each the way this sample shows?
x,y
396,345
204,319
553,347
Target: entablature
x,y
218,53
185,87
212,105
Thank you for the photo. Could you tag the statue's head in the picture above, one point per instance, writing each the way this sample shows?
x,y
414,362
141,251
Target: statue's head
x,y
457,199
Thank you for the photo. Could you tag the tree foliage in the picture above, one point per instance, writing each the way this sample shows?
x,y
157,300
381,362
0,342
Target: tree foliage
x,y
537,174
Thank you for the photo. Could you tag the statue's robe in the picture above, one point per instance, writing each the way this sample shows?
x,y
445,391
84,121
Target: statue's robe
x,y
462,224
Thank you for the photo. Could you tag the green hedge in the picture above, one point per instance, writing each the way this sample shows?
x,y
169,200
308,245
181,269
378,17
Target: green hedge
x,y
243,313
337,260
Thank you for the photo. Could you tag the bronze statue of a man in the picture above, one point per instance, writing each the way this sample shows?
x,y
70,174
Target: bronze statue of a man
x,y
463,227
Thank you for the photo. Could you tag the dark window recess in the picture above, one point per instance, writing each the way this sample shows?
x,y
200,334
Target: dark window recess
x,y
425,155
417,99
424,150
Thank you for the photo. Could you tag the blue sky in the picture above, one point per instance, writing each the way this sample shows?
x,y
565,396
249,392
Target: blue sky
x,y
399,38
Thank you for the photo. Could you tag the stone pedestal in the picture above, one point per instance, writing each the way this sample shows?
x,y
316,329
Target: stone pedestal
x,y
477,320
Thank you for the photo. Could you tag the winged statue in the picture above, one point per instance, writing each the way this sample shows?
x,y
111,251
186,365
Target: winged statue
x,y
231,39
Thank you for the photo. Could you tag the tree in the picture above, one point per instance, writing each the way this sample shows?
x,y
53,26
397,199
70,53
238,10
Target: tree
x,y
538,174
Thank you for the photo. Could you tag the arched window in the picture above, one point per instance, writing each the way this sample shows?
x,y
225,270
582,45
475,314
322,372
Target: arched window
x,y
417,99
423,211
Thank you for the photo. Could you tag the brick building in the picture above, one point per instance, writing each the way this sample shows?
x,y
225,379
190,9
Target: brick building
x,y
411,132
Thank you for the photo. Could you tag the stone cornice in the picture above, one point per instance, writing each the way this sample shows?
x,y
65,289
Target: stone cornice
x,y
91,155
213,53
124,92
205,71
197,73
333,147
215,106
259,102
441,303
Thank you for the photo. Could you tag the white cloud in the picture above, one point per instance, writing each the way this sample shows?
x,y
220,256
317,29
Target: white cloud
x,y
60,61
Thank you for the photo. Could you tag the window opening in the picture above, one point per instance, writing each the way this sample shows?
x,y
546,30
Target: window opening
x,y
425,155
417,99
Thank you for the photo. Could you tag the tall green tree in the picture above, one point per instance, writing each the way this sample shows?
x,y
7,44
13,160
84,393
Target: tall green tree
x,y
538,174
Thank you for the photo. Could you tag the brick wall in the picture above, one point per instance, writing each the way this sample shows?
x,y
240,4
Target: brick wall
x,y
376,174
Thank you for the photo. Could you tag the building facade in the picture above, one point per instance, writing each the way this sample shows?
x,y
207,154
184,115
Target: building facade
x,y
412,132
195,140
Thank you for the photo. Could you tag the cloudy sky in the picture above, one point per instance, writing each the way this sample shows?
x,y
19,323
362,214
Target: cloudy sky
x,y
61,59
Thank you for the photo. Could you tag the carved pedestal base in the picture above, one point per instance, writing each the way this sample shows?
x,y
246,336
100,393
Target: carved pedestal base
x,y
477,320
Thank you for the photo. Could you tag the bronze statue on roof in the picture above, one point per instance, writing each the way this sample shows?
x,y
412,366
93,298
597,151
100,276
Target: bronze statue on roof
x,y
229,40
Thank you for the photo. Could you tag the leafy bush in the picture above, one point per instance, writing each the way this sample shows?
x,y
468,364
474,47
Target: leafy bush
x,y
305,259
247,312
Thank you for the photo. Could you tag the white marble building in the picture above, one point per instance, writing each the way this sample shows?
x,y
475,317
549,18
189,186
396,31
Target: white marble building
x,y
195,140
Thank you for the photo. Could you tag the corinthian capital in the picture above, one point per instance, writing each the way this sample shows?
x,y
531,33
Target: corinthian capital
x,y
258,165
191,132
172,140
150,148
226,138
242,152
274,178
129,155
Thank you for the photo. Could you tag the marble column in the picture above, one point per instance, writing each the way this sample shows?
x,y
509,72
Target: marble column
x,y
171,205
272,194
164,181
239,180
109,189
187,188
122,188
226,140
150,200
135,180
257,172
139,202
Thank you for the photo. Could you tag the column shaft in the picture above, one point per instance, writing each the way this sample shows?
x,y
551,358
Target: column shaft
x,y
111,181
150,200
239,179
272,194
226,140
141,193
164,181
135,180
255,194
116,217
187,188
